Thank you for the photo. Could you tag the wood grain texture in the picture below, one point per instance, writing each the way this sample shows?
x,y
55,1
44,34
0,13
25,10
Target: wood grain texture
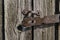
x,y
10,19
59,24
59,5
24,4
13,18
59,32
46,8
0,19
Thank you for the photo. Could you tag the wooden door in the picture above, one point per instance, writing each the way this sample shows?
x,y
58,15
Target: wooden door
x,y
13,18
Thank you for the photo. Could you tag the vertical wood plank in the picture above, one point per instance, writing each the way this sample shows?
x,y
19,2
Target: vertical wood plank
x,y
46,8
38,5
59,32
0,19
10,19
51,11
13,18
24,4
59,24
59,5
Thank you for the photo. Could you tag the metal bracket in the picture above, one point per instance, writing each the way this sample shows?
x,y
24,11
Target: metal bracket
x,y
23,28
38,22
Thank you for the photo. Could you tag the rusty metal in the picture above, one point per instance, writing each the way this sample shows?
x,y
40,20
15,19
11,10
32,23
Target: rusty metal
x,y
51,19
22,28
37,21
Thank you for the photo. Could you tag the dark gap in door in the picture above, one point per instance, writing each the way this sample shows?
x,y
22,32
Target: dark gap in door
x,y
32,4
3,28
56,24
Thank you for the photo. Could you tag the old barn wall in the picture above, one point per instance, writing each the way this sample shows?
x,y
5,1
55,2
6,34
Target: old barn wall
x,y
13,18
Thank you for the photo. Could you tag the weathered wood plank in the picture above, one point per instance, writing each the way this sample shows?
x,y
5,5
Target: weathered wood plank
x,y
59,24
46,8
51,11
13,18
38,5
24,4
59,32
0,19
59,5
10,19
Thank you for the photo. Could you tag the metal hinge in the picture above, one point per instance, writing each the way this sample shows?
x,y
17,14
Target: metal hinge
x,y
37,22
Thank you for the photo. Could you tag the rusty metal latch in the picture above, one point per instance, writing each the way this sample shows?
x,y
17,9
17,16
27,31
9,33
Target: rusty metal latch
x,y
29,21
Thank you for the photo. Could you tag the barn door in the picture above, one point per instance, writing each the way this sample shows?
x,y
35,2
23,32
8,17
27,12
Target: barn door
x,y
13,18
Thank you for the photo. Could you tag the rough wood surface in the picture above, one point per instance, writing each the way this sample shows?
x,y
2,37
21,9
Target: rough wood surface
x,y
46,8
0,19
59,32
10,19
13,18
59,5
59,24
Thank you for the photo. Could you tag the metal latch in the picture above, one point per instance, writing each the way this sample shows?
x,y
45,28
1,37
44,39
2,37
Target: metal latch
x,y
37,22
